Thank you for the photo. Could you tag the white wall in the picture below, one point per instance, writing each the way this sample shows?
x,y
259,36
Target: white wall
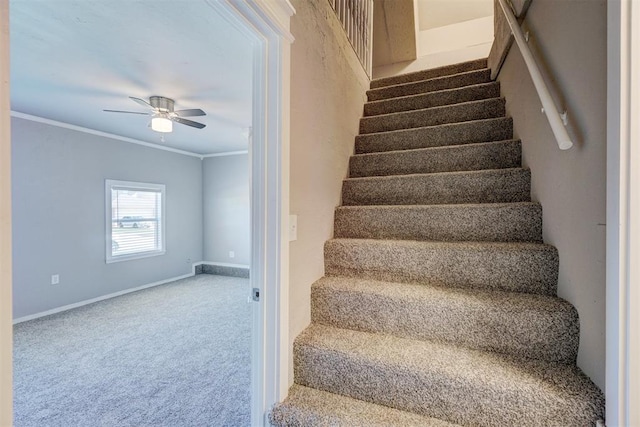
x,y
456,36
226,218
449,32
440,13
59,214
328,88
569,37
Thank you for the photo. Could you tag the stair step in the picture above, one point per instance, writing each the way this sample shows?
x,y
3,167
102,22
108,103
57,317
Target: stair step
x,y
468,157
438,83
430,74
436,136
463,386
521,325
433,99
306,406
463,112
512,267
485,186
498,222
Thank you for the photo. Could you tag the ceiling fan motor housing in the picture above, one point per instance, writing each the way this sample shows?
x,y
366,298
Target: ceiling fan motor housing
x,y
163,104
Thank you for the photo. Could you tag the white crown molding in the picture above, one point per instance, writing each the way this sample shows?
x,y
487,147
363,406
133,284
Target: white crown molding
x,y
228,153
82,129
56,123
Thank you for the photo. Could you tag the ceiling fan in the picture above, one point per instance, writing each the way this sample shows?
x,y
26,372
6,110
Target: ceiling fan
x,y
163,115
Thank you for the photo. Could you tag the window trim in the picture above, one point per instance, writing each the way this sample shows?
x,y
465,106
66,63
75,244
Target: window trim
x,y
110,184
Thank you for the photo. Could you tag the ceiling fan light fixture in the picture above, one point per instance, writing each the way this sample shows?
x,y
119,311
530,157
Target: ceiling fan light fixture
x,y
161,124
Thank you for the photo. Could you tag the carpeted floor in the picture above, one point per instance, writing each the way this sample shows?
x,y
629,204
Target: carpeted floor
x,y
173,355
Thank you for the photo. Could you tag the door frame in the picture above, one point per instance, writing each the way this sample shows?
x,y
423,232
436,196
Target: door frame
x,y
623,214
266,23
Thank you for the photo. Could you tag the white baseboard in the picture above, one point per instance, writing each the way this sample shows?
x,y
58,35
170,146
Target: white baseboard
x,y
219,264
97,299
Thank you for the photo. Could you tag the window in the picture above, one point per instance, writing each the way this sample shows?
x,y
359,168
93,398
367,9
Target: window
x,y
135,220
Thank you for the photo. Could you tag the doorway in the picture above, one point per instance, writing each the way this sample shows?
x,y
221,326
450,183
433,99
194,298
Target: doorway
x,y
269,36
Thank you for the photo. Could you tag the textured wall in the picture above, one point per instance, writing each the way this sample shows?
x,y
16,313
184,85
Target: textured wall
x,y
328,88
59,214
569,37
226,217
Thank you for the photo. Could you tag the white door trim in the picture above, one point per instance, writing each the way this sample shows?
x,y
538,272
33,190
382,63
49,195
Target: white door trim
x,y
623,213
266,23
6,323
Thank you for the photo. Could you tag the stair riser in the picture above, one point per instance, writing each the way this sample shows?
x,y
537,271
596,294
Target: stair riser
x,y
306,407
476,110
501,186
436,136
433,99
430,74
430,392
504,223
488,268
450,82
483,322
468,157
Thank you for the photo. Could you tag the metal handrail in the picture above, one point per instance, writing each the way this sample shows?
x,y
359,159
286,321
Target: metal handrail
x,y
557,120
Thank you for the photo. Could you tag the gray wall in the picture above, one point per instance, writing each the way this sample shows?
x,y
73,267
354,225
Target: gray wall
x,y
59,214
328,88
226,219
570,38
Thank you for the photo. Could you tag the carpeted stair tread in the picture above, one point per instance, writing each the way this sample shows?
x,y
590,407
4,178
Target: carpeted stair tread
x,y
486,130
485,186
431,73
450,158
518,324
499,222
433,99
506,266
443,381
462,112
431,85
306,407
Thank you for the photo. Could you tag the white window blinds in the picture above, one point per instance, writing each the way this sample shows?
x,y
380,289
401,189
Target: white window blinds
x,y
135,220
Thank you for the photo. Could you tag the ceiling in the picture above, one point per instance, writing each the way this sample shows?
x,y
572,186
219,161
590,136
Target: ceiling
x,y
438,13
70,59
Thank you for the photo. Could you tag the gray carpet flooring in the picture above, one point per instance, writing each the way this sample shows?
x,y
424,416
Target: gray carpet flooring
x,y
173,355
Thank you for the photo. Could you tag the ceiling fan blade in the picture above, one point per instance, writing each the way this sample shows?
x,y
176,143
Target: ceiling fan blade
x,y
141,102
188,122
128,112
190,113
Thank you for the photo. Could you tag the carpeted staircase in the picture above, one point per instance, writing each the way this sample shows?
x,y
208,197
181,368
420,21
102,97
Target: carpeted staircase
x,y
439,302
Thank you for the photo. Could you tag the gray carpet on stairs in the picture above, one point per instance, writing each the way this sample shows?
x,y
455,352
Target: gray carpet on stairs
x,y
497,129
174,355
433,99
443,381
438,306
438,83
451,158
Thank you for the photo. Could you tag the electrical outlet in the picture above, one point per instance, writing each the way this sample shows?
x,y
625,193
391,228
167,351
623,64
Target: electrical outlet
x,y
55,279
188,260
232,254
